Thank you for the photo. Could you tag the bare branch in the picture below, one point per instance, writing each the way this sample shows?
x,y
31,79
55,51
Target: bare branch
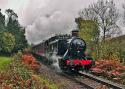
x,y
106,14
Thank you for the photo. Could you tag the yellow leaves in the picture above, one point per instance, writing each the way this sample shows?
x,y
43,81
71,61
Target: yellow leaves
x,y
88,30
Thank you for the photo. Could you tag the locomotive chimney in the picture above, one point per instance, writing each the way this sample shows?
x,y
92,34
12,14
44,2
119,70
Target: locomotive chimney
x,y
75,33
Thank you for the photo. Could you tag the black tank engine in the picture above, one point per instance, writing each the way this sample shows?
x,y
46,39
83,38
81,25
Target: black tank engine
x,y
71,49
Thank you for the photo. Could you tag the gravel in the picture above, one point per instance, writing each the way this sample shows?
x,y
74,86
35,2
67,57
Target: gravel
x,y
61,81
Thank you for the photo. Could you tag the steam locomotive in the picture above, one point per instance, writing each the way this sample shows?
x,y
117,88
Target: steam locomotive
x,y
71,49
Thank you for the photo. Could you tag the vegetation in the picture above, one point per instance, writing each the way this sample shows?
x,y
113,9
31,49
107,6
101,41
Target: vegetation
x,y
88,30
11,29
22,75
105,14
110,69
8,42
4,62
97,24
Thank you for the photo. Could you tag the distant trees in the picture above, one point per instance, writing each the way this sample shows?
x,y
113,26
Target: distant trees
x,y
105,14
13,31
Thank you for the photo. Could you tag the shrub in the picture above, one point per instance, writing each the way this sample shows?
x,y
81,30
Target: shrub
x,y
19,77
31,62
111,69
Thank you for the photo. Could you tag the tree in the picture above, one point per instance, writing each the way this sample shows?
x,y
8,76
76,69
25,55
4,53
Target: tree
x,y
106,15
2,26
14,31
8,42
11,14
14,28
2,22
88,30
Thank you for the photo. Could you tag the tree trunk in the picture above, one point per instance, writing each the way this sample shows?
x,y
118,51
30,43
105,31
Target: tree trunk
x,y
104,34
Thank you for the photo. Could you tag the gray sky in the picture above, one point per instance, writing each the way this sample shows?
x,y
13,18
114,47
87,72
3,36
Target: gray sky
x,y
44,18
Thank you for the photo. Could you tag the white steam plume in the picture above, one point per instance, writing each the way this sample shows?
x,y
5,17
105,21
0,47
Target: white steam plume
x,y
48,17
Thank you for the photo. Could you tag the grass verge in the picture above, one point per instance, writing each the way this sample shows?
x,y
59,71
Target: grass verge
x,y
19,76
4,62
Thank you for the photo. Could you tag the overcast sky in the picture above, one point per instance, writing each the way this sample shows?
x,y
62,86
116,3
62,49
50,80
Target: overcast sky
x,y
44,18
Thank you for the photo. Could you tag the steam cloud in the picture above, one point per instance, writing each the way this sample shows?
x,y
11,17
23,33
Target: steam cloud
x,y
48,17
2,3
44,18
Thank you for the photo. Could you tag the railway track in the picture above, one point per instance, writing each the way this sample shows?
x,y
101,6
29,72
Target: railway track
x,y
109,84
76,79
89,81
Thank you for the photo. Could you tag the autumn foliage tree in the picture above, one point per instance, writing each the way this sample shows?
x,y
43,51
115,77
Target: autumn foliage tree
x,y
88,30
